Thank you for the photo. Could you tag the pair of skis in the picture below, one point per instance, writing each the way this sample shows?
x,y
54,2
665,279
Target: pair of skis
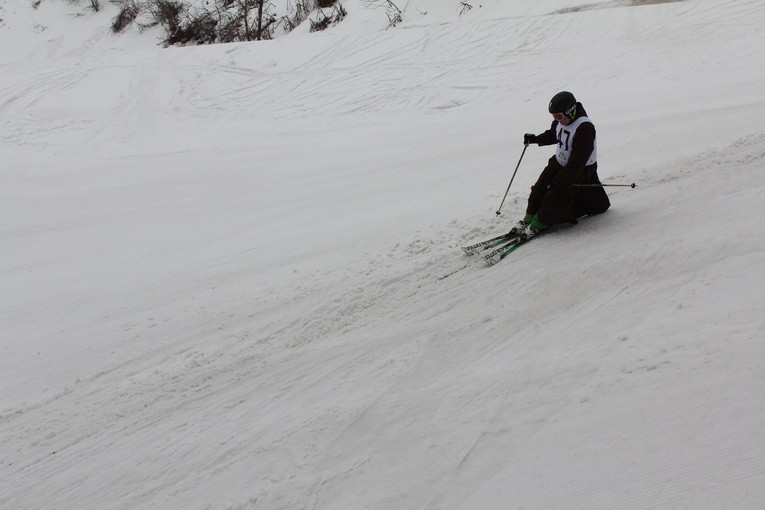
x,y
493,250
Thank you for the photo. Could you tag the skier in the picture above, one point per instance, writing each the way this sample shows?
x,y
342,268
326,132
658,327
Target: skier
x,y
553,200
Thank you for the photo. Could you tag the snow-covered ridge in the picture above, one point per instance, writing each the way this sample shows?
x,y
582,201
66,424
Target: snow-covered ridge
x,y
220,265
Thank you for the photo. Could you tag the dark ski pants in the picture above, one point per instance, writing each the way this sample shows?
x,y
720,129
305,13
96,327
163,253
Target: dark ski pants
x,y
565,204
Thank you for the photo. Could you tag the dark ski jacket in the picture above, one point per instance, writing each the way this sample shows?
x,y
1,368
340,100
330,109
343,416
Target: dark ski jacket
x,y
580,151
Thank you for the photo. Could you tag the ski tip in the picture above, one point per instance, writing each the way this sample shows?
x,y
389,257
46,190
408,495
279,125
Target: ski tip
x,y
492,257
491,261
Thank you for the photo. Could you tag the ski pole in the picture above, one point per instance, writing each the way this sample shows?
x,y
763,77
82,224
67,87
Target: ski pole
x,y
499,211
603,185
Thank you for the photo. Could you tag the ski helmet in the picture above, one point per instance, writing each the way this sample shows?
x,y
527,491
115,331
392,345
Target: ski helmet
x,y
563,102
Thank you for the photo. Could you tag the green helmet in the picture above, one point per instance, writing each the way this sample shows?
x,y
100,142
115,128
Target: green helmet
x,y
563,102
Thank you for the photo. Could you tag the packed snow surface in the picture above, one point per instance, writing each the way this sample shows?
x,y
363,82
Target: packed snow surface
x,y
220,265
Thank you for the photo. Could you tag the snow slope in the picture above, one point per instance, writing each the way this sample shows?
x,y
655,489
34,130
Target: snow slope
x,y
220,264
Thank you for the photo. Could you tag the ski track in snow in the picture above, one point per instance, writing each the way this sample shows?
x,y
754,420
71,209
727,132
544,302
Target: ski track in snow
x,y
245,355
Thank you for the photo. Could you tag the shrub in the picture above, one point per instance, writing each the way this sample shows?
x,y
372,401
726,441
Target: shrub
x,y
335,17
198,29
167,13
128,13
225,20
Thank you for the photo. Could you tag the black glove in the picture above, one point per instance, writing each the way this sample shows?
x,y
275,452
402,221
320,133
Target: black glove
x,y
529,138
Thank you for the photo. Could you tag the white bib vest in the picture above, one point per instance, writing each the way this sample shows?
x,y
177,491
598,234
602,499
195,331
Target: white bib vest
x,y
566,136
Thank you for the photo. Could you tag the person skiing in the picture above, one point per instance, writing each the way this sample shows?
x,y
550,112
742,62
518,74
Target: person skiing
x,y
553,199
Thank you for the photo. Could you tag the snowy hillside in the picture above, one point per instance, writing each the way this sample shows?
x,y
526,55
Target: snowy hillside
x,y
220,265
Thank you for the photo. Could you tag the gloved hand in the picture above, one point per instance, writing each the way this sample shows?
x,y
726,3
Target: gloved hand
x,y
529,138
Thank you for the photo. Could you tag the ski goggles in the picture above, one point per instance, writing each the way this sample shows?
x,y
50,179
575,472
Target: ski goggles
x,y
570,113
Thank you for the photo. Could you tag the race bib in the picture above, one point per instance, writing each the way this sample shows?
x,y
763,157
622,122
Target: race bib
x,y
566,136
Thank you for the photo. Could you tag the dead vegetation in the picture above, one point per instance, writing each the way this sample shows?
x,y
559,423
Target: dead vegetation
x,y
223,21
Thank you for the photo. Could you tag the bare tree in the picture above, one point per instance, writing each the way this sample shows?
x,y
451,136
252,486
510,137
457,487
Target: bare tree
x,y
242,16
264,19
